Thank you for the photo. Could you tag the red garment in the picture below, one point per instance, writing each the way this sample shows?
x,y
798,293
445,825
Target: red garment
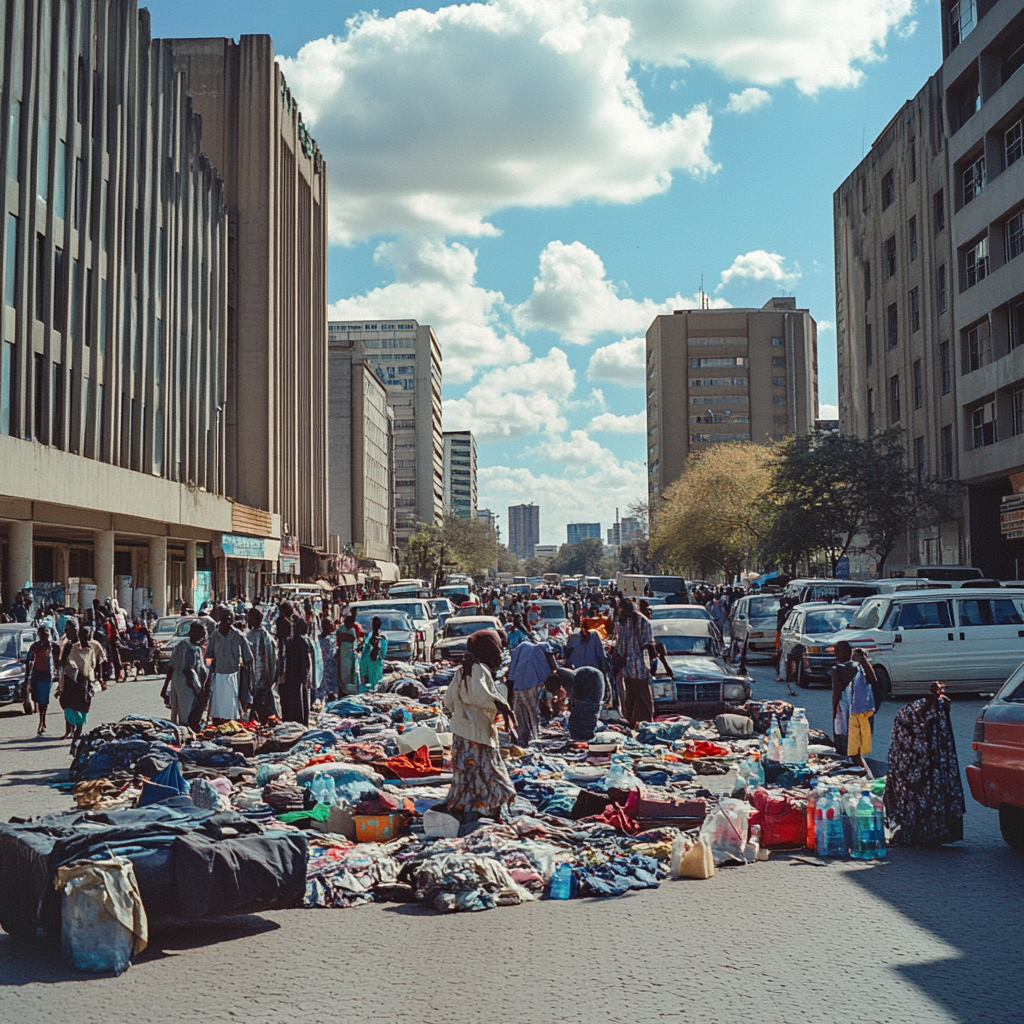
x,y
412,766
703,748
783,818
622,817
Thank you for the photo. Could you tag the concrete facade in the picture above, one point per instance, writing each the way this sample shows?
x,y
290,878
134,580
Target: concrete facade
x,y
523,529
929,234
276,195
716,376
406,357
361,500
459,473
113,361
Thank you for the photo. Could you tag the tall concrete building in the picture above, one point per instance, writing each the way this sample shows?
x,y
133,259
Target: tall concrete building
x,y
623,531
488,518
361,426
523,529
575,532
716,376
406,357
276,188
113,363
459,473
929,229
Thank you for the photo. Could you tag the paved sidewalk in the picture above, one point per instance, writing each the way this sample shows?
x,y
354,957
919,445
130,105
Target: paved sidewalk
x,y
926,936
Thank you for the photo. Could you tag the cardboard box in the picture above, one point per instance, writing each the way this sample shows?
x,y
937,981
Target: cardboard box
x,y
377,828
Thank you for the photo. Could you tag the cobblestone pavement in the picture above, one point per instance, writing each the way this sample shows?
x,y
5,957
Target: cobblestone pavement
x,y
925,936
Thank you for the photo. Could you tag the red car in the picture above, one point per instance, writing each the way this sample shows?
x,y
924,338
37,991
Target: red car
x,y
997,776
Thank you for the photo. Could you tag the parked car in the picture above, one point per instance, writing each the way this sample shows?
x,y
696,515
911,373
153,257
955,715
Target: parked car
x,y
451,645
970,639
403,637
164,643
996,778
814,625
417,609
552,615
15,640
441,608
457,593
678,611
754,620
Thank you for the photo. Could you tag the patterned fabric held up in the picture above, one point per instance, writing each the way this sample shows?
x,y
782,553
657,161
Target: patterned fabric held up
x,y
480,783
634,636
923,793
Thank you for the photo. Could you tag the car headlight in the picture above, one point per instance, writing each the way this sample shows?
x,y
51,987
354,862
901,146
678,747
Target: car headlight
x,y
734,691
814,650
663,691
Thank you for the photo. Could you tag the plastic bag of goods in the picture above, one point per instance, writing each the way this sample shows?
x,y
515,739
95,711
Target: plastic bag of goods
x,y
103,922
725,830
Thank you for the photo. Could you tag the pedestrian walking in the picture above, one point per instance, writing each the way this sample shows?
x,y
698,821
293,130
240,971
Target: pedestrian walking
x,y
634,645
371,661
264,667
297,678
78,669
184,685
348,673
228,651
39,671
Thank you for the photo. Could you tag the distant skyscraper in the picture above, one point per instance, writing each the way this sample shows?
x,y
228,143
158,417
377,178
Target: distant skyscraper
x,y
488,518
460,473
575,532
523,529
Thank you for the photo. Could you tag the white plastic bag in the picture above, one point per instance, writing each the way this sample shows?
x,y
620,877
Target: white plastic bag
x,y
725,830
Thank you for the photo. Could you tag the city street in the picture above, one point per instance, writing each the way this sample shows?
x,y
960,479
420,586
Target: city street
x,y
925,936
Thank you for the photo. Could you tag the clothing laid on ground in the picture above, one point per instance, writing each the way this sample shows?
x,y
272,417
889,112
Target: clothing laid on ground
x,y
923,793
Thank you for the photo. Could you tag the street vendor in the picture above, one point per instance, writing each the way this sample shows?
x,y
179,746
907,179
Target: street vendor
x,y
228,651
480,783
183,685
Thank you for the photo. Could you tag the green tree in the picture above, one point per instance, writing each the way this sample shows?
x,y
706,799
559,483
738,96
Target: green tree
x,y
583,559
456,544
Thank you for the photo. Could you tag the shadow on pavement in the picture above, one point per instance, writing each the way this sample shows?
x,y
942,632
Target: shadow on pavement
x,y
979,917
35,961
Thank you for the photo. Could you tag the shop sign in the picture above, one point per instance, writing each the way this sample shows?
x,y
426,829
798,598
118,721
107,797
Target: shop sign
x,y
348,564
289,546
234,545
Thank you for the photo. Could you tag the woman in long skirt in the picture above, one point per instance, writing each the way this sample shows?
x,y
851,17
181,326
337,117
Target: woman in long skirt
x,y
348,674
371,661
297,678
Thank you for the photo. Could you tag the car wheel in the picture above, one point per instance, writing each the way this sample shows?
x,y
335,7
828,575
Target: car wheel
x,y
884,682
1011,824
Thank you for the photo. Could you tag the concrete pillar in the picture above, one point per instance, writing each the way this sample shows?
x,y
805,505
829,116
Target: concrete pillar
x,y
158,573
103,563
190,573
19,538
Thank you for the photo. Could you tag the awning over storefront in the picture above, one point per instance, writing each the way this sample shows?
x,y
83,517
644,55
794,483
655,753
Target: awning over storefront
x,y
387,572
346,580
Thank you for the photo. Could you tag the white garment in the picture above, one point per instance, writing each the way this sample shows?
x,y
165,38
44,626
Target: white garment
x,y
471,701
224,695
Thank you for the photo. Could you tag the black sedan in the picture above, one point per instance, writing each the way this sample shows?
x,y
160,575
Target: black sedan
x,y
15,640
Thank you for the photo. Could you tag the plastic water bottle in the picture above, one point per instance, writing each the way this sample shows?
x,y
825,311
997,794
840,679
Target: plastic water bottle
x,y
328,793
812,803
561,882
877,824
789,747
820,832
865,843
848,801
799,729
835,841
774,740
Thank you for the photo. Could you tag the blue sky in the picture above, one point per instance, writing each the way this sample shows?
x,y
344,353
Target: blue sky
x,y
538,178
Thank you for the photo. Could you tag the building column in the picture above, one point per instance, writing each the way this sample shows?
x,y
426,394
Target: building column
x,y
19,559
103,563
190,573
158,573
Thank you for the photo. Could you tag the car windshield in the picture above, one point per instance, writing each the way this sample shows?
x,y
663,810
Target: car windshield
x,y
395,623
465,628
762,607
869,615
414,611
9,644
686,644
552,612
183,627
168,624
678,611
828,620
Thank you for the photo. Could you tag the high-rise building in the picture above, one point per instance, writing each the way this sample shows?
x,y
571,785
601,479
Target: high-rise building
x,y
721,375
523,529
460,473
276,188
545,550
406,357
575,532
929,231
488,518
360,427
623,531
114,365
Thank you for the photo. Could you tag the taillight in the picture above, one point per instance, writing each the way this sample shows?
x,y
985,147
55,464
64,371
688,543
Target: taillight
x,y
979,729
420,635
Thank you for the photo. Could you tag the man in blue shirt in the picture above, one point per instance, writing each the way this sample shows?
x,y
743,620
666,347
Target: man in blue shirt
x,y
531,666
585,649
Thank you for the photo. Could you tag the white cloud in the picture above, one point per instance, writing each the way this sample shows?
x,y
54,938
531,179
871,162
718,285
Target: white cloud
x,y
511,403
825,325
621,362
759,265
573,297
433,120
816,44
436,285
748,100
610,423
828,412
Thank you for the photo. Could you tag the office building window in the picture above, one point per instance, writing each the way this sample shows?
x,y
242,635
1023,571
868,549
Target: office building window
x,y
42,258
869,345
912,237
79,199
918,384
11,260
976,263
915,310
947,451
88,307
984,430
1014,236
779,382
871,411
1013,143
919,458
38,392
14,139
940,287
977,347
892,326
890,256
43,165
939,210
59,291
894,398
779,400
913,159
6,389
974,180
963,16
60,179
888,190
778,361
1017,403
777,343
965,103
1016,323
867,280
944,367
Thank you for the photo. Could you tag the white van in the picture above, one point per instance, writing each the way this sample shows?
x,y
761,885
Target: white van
x,y
971,639
417,609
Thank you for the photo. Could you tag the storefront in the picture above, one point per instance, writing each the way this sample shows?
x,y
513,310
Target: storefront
x,y
249,563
